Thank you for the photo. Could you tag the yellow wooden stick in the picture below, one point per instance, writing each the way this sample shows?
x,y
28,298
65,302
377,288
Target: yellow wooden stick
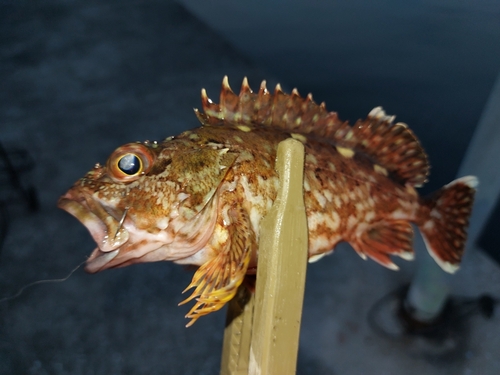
x,y
238,333
262,330
281,271
269,346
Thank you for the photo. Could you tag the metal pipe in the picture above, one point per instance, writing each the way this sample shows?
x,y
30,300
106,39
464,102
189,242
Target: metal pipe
x,y
430,287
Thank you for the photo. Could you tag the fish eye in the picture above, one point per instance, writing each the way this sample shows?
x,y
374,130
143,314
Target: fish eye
x,y
130,164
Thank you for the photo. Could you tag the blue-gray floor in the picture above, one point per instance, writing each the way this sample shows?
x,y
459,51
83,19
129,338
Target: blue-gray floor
x,y
80,78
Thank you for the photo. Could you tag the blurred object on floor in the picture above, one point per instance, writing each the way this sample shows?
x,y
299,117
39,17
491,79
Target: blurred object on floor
x,y
12,164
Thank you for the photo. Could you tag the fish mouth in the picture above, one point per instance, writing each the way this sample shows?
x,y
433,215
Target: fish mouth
x,y
106,230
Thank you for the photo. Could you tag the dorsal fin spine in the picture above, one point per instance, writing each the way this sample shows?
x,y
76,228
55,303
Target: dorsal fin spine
x,y
392,146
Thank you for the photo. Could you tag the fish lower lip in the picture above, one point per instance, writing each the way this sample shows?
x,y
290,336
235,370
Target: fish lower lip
x,y
96,262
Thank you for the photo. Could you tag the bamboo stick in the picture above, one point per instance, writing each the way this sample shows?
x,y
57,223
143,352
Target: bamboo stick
x,y
270,344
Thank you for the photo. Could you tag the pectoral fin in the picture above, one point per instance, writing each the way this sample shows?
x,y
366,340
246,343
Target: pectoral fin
x,y
217,281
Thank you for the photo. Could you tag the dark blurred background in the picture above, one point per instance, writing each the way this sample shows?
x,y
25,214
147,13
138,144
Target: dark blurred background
x,y
79,78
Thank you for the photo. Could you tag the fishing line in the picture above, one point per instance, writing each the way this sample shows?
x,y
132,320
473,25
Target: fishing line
x,y
41,282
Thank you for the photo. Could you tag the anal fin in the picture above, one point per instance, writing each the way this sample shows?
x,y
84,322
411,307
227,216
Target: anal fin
x,y
385,238
217,280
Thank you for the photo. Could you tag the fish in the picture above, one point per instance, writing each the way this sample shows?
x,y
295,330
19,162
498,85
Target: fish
x,y
198,198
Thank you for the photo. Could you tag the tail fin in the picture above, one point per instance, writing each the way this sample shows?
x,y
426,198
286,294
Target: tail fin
x,y
446,218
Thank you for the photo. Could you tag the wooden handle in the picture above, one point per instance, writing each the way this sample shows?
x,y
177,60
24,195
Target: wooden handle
x,y
260,348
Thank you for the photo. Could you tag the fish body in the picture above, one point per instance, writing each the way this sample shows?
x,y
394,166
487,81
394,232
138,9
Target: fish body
x,y
198,198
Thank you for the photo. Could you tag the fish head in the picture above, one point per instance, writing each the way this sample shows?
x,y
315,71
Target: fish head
x,y
149,202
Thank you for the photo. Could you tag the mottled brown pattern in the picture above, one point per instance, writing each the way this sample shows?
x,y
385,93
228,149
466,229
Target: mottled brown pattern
x,y
198,198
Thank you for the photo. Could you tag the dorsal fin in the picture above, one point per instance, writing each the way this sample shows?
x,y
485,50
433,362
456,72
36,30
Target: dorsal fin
x,y
392,146
289,112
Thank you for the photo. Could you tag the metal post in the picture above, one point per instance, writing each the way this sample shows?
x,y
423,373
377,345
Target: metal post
x,y
430,287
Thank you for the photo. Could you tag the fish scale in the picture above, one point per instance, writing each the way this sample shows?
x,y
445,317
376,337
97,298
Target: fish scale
x,y
198,198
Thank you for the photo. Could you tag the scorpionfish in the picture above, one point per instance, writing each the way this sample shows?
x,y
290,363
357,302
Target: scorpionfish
x,y
198,198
